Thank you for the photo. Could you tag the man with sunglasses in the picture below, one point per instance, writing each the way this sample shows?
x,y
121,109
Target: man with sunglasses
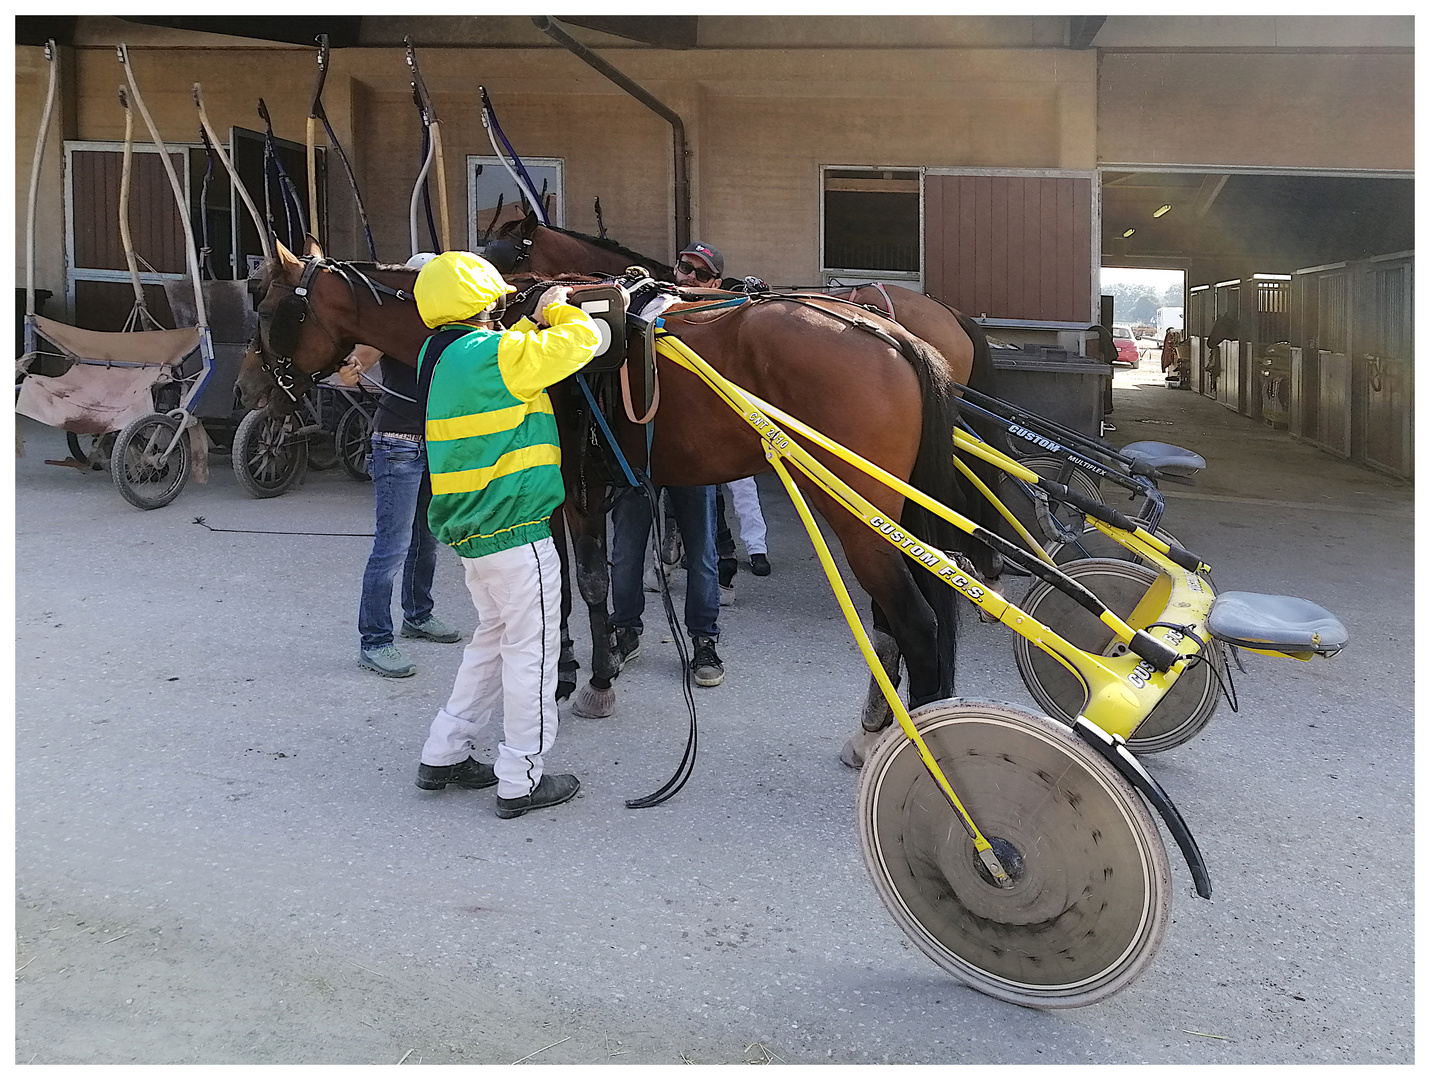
x,y
700,266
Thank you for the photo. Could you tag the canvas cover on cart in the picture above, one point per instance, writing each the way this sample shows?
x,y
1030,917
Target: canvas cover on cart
x,y
90,398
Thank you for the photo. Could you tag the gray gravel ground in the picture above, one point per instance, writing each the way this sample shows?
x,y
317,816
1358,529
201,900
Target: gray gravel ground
x,y
221,856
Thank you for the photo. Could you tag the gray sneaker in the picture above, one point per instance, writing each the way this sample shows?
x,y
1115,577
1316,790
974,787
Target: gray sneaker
x,y
705,664
431,628
387,661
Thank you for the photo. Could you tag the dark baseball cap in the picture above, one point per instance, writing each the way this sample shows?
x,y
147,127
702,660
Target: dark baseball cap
x,y
709,254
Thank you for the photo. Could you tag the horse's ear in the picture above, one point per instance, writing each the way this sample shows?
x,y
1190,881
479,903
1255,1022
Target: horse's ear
x,y
285,257
311,248
531,224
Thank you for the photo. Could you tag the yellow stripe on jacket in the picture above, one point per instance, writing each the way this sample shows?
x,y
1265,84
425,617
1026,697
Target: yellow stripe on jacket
x,y
526,457
485,423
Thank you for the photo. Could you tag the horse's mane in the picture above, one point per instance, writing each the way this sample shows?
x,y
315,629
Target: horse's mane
x,y
611,245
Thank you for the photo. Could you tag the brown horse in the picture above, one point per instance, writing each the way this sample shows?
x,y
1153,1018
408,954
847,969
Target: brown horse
x,y
527,246
850,384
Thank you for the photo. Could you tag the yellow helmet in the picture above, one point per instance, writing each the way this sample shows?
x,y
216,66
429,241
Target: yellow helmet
x,y
455,286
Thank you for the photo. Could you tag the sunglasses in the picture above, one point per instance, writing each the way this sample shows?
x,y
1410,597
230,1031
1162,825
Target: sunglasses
x,y
697,272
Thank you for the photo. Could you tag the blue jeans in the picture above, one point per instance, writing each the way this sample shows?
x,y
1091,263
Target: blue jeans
x,y
694,509
402,490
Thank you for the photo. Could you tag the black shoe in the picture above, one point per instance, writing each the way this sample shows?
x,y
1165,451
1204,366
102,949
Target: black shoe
x,y
727,572
628,646
465,774
759,565
705,664
550,791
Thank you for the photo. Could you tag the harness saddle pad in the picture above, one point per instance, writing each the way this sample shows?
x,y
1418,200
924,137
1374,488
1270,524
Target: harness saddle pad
x,y
1276,624
1164,457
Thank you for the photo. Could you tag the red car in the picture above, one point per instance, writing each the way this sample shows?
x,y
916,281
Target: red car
x,y
1126,343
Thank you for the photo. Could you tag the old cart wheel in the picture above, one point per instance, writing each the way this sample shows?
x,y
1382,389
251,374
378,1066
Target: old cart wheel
x,y
354,442
141,472
266,458
1179,716
1091,895
1023,508
1093,544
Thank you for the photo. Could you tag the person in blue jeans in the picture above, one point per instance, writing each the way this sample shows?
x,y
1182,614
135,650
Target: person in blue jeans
x,y
694,510
401,540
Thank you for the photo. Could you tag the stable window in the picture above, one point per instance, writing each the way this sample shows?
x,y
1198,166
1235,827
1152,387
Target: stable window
x,y
872,224
494,197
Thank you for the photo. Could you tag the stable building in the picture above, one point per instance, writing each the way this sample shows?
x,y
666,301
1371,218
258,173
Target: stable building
x,y
996,162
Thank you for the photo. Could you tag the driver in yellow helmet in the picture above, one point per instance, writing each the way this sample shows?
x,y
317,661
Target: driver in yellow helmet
x,y
495,461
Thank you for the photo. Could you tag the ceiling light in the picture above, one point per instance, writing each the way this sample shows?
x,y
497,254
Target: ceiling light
x,y
1128,233
1161,210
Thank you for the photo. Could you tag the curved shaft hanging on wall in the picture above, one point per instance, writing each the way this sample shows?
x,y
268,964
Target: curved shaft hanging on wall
x,y
548,26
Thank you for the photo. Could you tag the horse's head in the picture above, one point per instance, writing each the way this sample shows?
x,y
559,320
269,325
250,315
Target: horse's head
x,y
305,316
511,250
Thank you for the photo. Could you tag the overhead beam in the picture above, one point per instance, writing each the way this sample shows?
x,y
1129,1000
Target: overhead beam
x,y
1082,29
342,30
1208,192
662,31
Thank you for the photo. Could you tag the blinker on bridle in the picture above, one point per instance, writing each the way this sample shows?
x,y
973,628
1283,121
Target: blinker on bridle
x,y
285,326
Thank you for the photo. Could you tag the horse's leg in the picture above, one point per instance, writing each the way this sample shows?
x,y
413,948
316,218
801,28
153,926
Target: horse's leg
x,y
567,666
588,527
913,627
877,715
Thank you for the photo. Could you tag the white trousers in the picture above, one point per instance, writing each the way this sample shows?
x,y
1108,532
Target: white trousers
x,y
745,499
510,662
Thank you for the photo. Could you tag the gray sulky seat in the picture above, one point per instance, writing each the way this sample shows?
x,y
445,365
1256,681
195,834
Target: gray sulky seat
x,y
1285,624
1164,457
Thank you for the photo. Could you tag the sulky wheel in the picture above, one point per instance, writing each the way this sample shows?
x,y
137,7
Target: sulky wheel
x,y
1090,899
354,442
1012,495
267,459
1093,544
143,475
1179,716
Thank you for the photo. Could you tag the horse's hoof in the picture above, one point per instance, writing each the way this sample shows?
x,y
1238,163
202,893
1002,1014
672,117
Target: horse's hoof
x,y
594,704
859,747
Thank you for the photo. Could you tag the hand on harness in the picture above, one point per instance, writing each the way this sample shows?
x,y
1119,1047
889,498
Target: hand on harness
x,y
752,284
557,294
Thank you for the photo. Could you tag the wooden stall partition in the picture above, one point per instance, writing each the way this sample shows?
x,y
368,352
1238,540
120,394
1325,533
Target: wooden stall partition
x,y
1230,352
1383,370
1198,323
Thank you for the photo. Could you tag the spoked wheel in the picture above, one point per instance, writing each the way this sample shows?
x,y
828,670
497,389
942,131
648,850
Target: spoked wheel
x,y
143,475
1120,585
354,442
267,459
1090,899
1093,544
1016,499
100,448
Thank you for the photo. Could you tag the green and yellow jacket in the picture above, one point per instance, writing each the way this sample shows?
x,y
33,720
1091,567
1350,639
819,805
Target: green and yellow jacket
x,y
492,447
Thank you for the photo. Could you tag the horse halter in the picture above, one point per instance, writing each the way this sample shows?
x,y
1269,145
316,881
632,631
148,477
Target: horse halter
x,y
285,325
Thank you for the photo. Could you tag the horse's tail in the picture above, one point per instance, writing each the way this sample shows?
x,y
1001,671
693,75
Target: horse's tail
x,y
934,474
983,378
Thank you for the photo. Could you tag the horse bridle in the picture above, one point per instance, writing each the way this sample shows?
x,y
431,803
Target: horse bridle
x,y
285,324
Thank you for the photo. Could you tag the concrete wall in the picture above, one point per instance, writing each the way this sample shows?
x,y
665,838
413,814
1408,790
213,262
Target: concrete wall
x,y
1314,110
